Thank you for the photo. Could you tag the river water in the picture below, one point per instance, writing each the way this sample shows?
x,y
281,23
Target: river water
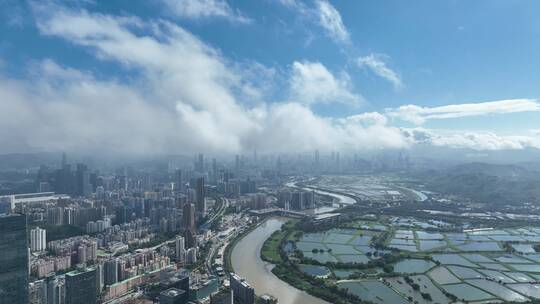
x,y
247,263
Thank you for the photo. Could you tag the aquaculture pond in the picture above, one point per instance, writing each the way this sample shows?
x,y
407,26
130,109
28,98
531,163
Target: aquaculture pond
x,y
426,266
374,291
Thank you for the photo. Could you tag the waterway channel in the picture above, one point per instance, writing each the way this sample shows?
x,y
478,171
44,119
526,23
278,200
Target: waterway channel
x,y
247,263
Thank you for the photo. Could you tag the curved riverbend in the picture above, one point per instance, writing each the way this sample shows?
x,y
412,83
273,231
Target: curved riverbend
x,y
247,263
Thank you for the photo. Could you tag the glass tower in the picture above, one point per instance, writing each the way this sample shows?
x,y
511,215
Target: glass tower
x,y
13,259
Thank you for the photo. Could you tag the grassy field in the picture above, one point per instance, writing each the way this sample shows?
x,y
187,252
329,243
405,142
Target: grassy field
x,y
271,247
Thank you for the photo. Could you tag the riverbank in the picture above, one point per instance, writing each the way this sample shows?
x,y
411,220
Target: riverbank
x,y
273,252
246,261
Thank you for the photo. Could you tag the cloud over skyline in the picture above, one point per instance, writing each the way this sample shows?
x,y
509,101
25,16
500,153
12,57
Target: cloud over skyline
x,y
312,82
183,95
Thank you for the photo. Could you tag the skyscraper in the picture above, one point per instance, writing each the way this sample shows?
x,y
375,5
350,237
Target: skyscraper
x,y
180,248
188,217
190,239
81,286
83,186
199,163
13,259
110,272
38,239
199,196
178,180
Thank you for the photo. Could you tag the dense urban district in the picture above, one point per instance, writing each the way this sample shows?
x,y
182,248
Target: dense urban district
x,y
269,229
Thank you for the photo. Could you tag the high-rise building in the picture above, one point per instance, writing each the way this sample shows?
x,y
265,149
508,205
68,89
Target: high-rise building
x,y
190,239
297,200
81,286
82,175
56,292
243,292
38,239
188,217
200,196
178,180
100,277
199,163
110,271
180,248
191,256
13,259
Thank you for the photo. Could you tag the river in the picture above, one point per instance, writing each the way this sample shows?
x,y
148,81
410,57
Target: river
x,y
247,263
342,199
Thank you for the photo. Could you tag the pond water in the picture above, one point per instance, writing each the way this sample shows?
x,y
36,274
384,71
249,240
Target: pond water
x,y
480,246
464,272
431,244
343,274
441,275
373,291
452,259
523,248
320,257
498,290
353,258
530,290
526,268
315,270
519,277
309,246
399,284
475,257
497,276
410,266
342,249
338,238
467,292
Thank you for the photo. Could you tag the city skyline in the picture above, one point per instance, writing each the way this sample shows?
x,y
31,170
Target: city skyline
x,y
190,76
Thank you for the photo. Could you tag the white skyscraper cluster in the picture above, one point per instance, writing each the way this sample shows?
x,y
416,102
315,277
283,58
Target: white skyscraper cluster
x,y
38,239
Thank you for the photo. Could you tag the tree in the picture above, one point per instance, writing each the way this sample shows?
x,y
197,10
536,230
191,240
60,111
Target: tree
x,y
426,296
388,268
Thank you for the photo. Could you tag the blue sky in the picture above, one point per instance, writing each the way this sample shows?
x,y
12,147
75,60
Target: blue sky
x,y
352,71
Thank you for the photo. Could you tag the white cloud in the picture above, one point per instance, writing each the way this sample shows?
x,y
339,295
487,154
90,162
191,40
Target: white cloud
x,y
376,64
290,3
476,140
312,82
419,115
200,9
182,96
369,118
330,20
323,14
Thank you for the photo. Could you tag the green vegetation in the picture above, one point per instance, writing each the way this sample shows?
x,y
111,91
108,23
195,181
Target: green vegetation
x,y
271,247
271,250
316,287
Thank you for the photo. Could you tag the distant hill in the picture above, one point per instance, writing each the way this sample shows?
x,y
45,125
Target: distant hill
x,y
487,183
